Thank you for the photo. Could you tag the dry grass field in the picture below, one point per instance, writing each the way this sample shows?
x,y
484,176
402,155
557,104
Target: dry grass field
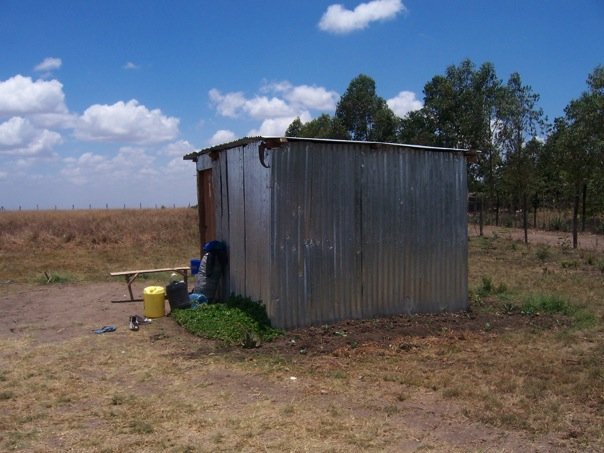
x,y
522,370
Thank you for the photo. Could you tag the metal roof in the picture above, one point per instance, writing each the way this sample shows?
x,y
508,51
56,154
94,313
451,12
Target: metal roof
x,y
276,141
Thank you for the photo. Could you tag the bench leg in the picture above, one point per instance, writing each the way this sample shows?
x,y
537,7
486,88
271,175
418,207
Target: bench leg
x,y
185,276
129,280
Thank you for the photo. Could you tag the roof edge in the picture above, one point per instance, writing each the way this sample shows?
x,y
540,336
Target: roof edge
x,y
281,139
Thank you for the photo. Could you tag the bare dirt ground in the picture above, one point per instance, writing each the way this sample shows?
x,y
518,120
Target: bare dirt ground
x,y
421,420
586,241
280,382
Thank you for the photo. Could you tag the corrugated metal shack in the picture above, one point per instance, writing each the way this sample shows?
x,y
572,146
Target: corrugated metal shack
x,y
326,230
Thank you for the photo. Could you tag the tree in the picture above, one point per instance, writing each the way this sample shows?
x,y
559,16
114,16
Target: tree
x,y
360,115
578,141
518,122
294,129
323,126
417,128
460,111
364,115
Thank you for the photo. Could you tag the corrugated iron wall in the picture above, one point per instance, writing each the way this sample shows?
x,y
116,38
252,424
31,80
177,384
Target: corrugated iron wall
x,y
359,232
243,219
338,230
414,231
316,237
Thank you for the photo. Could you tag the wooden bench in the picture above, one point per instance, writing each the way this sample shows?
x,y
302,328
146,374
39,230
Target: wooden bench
x,y
132,275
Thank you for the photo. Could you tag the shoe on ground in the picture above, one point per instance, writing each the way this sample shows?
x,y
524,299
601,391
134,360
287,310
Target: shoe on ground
x,y
133,323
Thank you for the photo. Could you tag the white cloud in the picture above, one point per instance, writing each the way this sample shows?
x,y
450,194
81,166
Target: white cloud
x,y
279,104
228,104
179,148
262,107
20,96
130,65
19,137
179,166
126,122
277,126
338,19
130,163
49,64
235,104
404,102
307,97
222,136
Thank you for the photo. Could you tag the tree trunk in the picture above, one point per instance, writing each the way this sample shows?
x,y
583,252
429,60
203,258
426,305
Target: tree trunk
x,y
575,216
481,216
525,216
583,205
497,209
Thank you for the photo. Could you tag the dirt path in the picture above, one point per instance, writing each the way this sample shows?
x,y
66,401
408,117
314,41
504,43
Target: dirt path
x,y
587,241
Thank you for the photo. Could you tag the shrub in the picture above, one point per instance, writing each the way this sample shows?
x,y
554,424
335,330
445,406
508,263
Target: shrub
x,y
542,253
238,320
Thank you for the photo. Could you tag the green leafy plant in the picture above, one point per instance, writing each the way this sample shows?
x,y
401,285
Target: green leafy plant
x,y
488,287
238,320
543,253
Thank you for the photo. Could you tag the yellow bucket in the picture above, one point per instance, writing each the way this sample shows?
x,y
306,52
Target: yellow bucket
x,y
154,301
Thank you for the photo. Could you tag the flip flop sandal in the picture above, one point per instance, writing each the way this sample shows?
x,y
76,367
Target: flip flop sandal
x,y
105,329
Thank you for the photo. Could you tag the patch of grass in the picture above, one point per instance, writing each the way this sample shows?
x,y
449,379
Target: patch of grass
x,y
569,264
49,278
543,253
237,321
140,427
487,288
546,303
118,400
6,395
535,304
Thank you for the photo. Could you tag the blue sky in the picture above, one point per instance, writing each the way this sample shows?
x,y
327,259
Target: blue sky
x,y
99,100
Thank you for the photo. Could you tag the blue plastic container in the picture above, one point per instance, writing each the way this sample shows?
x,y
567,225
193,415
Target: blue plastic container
x,y
195,262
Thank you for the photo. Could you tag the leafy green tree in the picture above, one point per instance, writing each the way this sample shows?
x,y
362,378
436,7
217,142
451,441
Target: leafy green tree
x,y
365,115
417,128
519,121
323,126
460,111
578,141
295,128
519,178
360,115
